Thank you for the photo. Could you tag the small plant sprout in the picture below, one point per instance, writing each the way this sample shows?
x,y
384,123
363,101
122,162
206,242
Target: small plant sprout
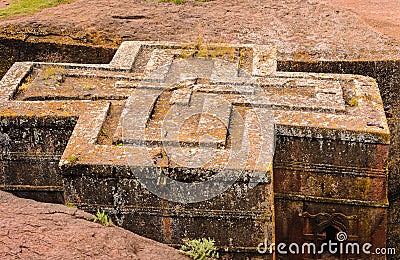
x,y
72,158
201,50
71,205
23,87
103,132
102,218
51,72
242,54
353,102
201,249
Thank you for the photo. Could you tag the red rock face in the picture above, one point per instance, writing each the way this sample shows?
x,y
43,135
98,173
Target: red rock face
x,y
32,230
383,16
4,3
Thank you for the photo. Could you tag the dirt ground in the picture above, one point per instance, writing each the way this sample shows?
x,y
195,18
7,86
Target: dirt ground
x,y
383,15
4,3
301,29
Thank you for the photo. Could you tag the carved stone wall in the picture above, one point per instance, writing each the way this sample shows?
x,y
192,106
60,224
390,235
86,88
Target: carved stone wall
x,y
176,141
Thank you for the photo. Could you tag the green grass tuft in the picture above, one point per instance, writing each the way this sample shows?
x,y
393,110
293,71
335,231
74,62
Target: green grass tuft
x,y
29,6
102,218
71,205
200,249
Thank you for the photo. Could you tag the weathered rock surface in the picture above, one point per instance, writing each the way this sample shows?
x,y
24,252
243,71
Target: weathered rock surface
x,y
33,230
331,29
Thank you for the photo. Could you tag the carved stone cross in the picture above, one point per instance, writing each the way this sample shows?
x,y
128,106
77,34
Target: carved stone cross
x,y
178,141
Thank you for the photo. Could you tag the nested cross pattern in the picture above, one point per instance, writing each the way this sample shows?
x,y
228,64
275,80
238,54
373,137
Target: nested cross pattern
x,y
180,107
